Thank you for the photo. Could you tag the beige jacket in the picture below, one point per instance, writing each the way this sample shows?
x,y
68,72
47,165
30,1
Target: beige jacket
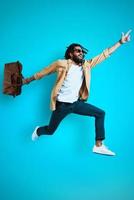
x,y
62,67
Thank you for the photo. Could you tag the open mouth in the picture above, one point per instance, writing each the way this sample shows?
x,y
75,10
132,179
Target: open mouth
x,y
80,56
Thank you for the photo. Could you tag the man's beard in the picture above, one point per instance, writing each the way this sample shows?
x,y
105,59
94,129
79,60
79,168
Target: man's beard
x,y
78,60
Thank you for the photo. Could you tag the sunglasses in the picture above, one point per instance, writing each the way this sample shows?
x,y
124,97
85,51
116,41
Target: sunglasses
x,y
79,51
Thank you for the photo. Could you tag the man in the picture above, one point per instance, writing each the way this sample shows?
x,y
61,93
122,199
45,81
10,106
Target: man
x,y
72,90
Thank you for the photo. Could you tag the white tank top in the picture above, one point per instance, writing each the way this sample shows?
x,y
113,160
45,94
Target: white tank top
x,y
69,91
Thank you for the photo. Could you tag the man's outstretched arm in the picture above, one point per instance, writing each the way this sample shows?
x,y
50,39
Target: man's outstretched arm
x,y
96,60
47,70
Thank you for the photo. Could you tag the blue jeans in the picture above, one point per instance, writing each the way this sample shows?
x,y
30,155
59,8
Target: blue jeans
x,y
78,107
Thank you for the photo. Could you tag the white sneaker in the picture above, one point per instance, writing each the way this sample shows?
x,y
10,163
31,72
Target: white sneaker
x,y
34,135
103,150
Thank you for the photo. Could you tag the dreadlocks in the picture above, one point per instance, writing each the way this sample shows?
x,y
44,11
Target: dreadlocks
x,y
70,49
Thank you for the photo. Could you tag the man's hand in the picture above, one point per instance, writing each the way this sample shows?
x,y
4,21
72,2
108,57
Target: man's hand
x,y
125,37
27,80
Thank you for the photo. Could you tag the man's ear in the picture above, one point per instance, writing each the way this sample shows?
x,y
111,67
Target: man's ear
x,y
71,55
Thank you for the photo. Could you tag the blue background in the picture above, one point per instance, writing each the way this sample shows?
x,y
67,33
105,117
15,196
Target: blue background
x,y
63,166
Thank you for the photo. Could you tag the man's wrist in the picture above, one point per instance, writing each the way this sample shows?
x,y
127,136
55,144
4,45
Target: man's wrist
x,y
120,41
32,78
28,80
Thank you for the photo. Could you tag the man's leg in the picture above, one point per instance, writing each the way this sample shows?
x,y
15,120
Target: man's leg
x,y
57,116
83,108
87,109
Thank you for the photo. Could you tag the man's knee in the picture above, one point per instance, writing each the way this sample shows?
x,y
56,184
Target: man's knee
x,y
50,131
102,113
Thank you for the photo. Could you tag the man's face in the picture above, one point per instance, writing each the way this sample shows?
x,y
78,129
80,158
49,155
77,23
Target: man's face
x,y
77,55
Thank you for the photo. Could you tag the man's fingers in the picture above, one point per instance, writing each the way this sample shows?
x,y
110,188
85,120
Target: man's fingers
x,y
25,81
122,34
128,39
128,32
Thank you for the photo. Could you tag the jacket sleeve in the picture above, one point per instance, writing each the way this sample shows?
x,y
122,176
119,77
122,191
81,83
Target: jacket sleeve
x,y
99,58
46,71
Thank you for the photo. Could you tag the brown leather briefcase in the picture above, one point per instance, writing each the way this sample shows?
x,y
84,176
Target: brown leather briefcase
x,y
12,78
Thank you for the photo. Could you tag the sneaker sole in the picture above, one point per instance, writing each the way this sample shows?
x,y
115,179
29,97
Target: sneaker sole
x,y
104,154
35,133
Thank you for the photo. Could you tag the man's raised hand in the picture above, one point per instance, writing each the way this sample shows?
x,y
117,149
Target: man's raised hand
x,y
125,37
